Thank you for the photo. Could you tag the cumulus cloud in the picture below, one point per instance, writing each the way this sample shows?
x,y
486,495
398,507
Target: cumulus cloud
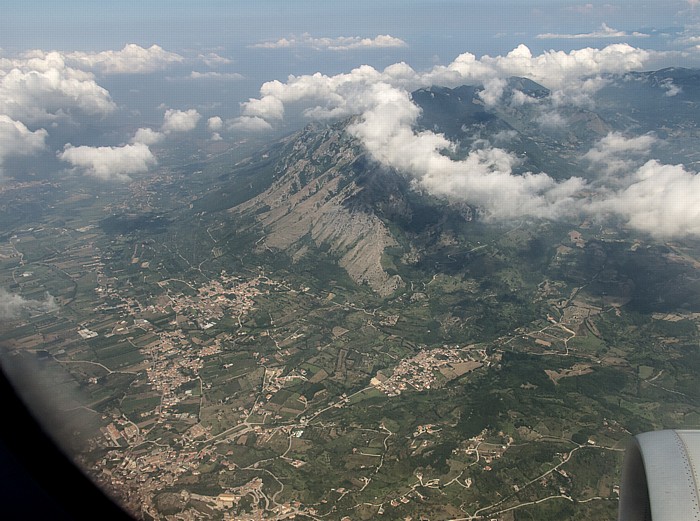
x,y
215,124
40,86
147,136
342,43
603,32
249,124
661,200
571,76
658,199
493,91
267,107
132,59
17,139
12,306
173,121
110,163
616,153
180,120
385,127
556,70
484,178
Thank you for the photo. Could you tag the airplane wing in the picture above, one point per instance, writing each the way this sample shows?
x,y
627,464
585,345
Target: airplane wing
x,y
660,477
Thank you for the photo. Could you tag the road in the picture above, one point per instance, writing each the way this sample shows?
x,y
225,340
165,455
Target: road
x,y
487,510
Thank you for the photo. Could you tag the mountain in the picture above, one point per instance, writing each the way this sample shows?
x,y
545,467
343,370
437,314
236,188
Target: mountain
x,y
666,101
454,112
325,194
315,203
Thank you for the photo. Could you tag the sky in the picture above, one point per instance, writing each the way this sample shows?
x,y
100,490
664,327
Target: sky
x,y
437,27
99,88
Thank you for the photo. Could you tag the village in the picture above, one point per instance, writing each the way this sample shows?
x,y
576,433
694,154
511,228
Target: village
x,y
431,368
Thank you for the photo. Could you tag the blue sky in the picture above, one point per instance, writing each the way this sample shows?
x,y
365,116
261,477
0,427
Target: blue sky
x,y
435,31
107,90
442,26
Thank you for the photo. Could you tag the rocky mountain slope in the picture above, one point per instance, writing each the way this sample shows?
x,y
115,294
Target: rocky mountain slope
x,y
311,204
326,194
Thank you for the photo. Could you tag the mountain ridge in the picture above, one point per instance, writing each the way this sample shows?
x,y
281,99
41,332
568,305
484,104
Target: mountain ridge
x,y
326,194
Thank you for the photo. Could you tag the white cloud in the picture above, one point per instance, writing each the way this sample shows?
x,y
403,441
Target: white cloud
x,y
688,38
173,121
40,86
661,200
519,98
180,120
493,91
378,42
603,32
249,124
214,60
385,127
132,59
147,136
557,70
17,139
484,178
12,306
656,198
342,43
110,163
215,124
616,153
671,88
267,107
282,43
572,76
212,75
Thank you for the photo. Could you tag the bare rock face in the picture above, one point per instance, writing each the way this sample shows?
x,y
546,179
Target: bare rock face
x,y
311,199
